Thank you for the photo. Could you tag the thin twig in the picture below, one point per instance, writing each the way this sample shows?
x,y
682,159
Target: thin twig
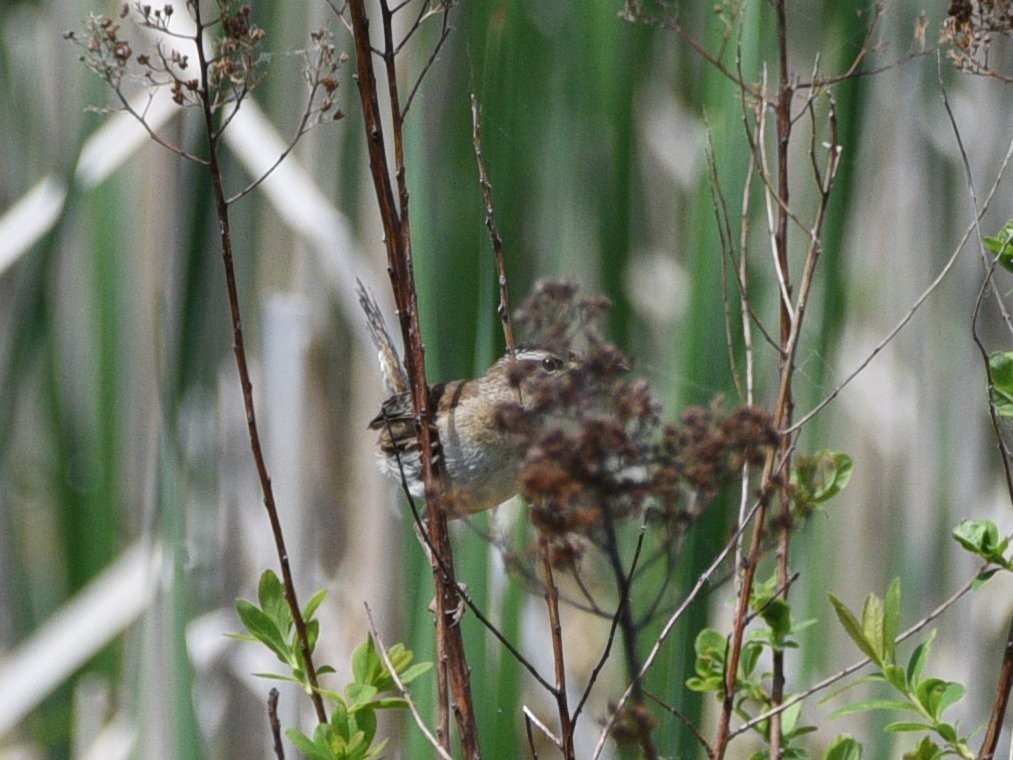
x,y
556,635
444,36
596,670
854,667
674,618
1004,682
239,348
530,718
402,689
272,719
929,290
683,718
490,222
531,737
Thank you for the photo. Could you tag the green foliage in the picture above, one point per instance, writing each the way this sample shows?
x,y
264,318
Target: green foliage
x,y
981,537
875,634
350,732
1001,246
752,697
844,747
818,478
1000,365
271,624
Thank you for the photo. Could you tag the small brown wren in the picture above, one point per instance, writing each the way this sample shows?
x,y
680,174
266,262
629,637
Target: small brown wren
x,y
478,460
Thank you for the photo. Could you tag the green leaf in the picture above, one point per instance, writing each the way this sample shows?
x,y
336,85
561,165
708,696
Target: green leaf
x,y
366,664
264,629
387,703
413,672
926,750
308,747
820,477
315,601
872,704
365,720
751,652
872,627
953,693
896,677
844,747
929,694
854,629
891,614
918,658
777,614
328,694
983,578
947,732
789,718
360,694
278,677
312,634
271,595
711,683
710,648
1001,246
982,538
1000,365
339,718
902,725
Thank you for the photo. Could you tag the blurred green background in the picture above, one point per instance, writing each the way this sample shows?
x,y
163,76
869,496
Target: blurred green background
x,y
130,515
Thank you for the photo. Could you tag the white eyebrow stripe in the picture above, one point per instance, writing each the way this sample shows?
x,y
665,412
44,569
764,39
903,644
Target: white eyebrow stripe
x,y
533,354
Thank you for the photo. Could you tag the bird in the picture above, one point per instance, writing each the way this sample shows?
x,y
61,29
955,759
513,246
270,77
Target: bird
x,y
478,457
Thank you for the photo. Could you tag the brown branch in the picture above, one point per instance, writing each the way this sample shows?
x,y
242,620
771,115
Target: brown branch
x,y
1002,692
451,665
272,718
239,348
702,580
556,635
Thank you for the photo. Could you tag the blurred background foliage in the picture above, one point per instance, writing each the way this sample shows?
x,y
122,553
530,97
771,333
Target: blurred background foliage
x,y
130,516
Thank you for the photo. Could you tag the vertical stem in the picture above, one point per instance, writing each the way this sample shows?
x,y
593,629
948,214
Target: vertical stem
x,y
784,410
239,348
556,634
452,668
1005,681
629,630
490,222
741,615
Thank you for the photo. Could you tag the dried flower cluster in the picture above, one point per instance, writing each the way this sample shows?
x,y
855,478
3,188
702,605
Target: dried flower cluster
x,y
593,446
970,30
237,60
234,68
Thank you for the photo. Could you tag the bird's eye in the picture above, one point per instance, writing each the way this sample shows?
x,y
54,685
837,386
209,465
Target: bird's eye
x,y
552,364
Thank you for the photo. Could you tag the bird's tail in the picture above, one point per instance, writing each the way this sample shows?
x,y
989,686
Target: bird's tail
x,y
394,375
